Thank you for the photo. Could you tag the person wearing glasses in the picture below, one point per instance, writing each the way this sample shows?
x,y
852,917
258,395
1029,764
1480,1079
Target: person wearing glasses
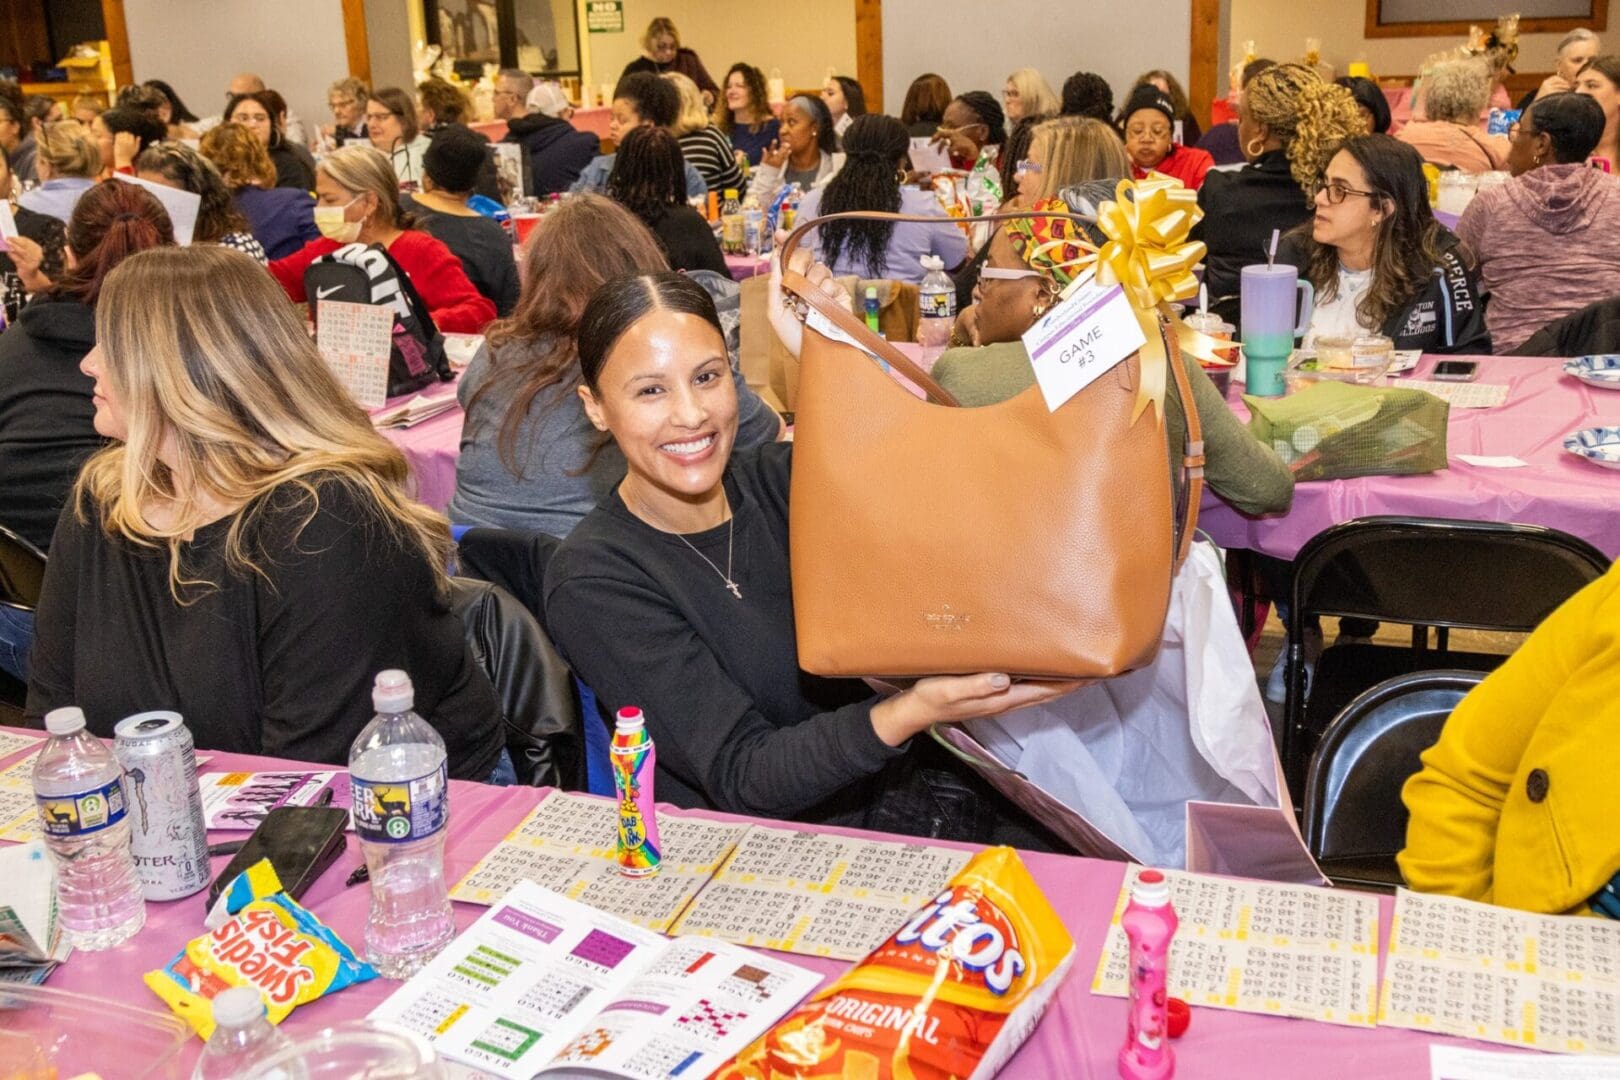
x,y
971,122
662,52
1554,202
258,114
558,151
1289,123
347,100
1148,122
392,128
1021,279
1378,259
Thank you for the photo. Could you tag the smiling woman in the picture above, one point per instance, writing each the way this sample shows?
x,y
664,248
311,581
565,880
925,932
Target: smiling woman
x,y
674,596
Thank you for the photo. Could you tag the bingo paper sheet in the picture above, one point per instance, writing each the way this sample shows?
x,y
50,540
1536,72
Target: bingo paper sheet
x,y
1484,972
541,982
356,340
19,817
566,844
816,894
11,743
240,800
1277,950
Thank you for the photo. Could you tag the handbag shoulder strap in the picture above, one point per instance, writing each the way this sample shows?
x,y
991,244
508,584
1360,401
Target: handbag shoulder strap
x,y
1192,449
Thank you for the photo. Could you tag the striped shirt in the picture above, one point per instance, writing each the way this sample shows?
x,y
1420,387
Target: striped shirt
x,y
709,152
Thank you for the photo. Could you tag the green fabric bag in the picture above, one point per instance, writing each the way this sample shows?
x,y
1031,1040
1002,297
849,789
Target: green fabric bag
x,y
1335,430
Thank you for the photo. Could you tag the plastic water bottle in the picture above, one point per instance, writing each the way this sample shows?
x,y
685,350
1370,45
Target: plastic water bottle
x,y
243,1036
937,299
79,789
756,241
401,785
731,224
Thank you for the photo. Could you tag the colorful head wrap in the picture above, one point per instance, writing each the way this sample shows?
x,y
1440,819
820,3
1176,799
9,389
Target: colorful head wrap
x,y
1056,247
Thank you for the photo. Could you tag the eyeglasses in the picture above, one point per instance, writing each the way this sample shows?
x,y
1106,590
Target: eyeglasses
x,y
379,117
1336,192
1027,166
340,103
1157,131
505,93
995,273
1518,128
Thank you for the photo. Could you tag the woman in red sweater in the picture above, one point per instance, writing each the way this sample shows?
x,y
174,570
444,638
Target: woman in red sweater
x,y
1147,124
357,201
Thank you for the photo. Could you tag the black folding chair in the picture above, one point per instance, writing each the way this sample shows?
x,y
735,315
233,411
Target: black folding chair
x,y
22,575
1355,822
1426,573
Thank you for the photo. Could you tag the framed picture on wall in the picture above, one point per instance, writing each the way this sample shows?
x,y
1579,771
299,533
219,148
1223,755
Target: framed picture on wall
x,y
1452,18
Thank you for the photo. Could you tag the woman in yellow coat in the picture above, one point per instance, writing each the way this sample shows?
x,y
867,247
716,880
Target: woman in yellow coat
x,y
1517,803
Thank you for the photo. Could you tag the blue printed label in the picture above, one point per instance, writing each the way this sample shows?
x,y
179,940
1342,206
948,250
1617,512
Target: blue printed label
x,y
392,812
82,814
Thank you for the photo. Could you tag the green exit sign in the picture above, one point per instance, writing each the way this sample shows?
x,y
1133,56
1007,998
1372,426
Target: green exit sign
x,y
604,16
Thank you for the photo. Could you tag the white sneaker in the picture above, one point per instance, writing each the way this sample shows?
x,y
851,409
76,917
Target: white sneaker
x,y
1277,681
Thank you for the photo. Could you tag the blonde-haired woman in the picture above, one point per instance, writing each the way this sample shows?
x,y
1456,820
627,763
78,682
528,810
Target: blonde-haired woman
x,y
67,164
357,198
1027,93
1290,123
661,52
1068,151
703,145
1454,95
247,513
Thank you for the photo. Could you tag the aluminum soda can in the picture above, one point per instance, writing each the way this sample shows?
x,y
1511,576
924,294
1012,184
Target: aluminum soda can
x,y
167,833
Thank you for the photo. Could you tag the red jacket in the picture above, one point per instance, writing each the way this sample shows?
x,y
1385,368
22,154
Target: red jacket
x,y
1185,163
437,275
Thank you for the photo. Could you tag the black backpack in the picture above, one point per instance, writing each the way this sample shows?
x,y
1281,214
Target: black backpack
x,y
362,274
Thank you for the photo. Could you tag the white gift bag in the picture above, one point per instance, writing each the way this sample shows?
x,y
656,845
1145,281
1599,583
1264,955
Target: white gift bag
x,y
1171,765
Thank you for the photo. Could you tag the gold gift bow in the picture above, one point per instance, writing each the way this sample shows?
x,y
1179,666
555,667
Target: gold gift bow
x,y
1148,253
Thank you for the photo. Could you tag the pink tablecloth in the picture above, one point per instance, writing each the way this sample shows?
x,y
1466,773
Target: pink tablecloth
x,y
1555,489
747,266
1078,1038
432,447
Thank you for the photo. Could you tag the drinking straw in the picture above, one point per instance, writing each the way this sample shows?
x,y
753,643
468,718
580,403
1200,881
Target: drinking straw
x,y
1203,299
1271,254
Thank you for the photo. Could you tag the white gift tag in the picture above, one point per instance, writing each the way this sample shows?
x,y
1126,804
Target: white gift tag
x,y
1080,339
8,224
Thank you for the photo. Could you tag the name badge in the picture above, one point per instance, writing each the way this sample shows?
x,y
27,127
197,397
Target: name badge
x,y
1080,339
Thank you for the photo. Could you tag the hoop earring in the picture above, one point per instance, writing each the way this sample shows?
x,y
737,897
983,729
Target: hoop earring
x,y
900,176
1249,147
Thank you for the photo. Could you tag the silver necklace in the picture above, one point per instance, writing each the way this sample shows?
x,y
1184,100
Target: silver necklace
x,y
731,533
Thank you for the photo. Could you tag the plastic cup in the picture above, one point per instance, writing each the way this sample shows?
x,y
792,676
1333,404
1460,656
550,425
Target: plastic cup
x,y
524,224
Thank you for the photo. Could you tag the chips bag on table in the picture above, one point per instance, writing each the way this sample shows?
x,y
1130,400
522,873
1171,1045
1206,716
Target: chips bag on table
x,y
269,942
952,993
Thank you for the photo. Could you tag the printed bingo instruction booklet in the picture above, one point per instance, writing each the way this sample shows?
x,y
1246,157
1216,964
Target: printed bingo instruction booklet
x,y
542,985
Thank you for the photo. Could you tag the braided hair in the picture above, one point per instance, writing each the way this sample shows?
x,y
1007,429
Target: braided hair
x,y
1311,117
649,173
987,110
874,146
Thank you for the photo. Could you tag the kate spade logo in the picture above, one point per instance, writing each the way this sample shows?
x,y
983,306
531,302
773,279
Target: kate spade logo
x,y
946,619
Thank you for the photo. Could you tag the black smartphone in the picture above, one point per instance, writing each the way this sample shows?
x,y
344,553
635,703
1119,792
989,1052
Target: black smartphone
x,y
300,842
1456,370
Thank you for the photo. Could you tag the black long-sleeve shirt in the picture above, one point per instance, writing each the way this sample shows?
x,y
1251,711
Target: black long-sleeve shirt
x,y
280,663
644,621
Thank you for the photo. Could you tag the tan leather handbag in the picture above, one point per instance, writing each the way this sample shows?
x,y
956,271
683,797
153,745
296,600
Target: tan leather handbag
x,y
928,539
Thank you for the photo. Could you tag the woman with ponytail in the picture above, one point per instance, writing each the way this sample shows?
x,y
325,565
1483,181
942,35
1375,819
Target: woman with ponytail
x,y
47,427
1290,123
875,148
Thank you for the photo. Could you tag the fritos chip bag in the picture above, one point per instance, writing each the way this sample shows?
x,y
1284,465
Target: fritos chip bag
x,y
952,993
271,943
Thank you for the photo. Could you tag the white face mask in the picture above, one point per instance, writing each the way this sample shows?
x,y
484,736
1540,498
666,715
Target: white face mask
x,y
335,225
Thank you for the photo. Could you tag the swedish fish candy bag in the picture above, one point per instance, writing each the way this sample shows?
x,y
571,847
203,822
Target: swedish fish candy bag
x,y
272,944
254,883
952,993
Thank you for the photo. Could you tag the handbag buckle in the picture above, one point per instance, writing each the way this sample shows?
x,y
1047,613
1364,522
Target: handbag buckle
x,y
1194,459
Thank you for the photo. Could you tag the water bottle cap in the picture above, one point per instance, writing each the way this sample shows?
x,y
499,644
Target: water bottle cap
x,y
629,718
64,721
1151,889
731,193
392,692
238,1006
871,292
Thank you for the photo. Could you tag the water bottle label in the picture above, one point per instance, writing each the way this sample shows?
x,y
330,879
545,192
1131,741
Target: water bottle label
x,y
391,812
79,815
940,305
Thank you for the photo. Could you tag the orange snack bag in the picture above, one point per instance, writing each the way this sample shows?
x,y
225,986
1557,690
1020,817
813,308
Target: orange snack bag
x,y
950,994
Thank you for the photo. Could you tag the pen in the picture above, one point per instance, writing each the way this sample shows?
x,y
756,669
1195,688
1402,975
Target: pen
x,y
229,847
361,874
